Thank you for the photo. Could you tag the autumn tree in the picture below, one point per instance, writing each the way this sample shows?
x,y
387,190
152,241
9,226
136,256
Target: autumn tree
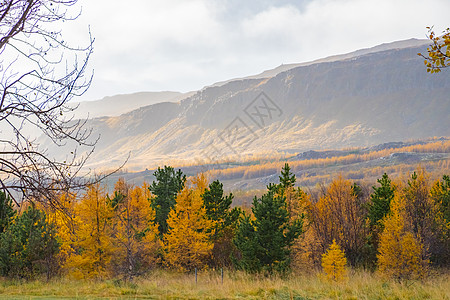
x,y
134,235
93,247
422,211
41,73
165,188
187,244
438,56
29,246
218,209
400,249
61,217
338,215
264,241
334,263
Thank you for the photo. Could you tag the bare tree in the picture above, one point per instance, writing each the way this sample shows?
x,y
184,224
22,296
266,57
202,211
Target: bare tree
x,y
39,74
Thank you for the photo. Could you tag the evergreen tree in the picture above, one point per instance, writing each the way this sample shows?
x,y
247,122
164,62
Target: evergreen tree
x,y
380,200
378,208
29,246
265,242
287,178
218,209
165,188
7,211
440,194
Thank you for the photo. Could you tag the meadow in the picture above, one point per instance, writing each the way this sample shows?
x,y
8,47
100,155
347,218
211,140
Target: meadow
x,y
164,284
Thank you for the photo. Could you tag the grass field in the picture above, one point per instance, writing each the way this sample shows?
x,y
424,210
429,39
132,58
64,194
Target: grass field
x,y
236,285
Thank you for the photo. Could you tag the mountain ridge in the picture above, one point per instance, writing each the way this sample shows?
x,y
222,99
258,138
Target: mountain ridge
x,y
359,101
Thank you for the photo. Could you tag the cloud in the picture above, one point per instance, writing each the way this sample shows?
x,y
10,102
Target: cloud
x,y
186,44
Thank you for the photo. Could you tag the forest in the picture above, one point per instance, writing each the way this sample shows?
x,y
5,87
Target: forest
x,y
400,230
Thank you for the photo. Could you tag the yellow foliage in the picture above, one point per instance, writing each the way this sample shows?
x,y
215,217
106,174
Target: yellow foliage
x,y
337,215
93,248
400,252
187,244
134,233
334,263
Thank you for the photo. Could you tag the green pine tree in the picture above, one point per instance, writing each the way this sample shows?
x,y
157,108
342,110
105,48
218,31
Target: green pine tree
x,y
380,200
165,188
7,211
218,206
218,209
287,178
29,246
265,242
378,208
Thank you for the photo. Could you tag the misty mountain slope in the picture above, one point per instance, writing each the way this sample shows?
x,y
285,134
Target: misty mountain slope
x,y
119,104
285,67
362,101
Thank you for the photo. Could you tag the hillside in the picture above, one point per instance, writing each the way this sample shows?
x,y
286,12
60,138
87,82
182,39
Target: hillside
x,y
362,99
119,104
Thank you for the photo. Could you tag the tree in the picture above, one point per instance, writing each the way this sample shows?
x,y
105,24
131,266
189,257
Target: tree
x,y
287,179
134,235
187,244
93,248
378,208
29,246
440,195
218,209
438,52
380,200
7,211
421,211
334,262
165,188
41,73
400,251
265,241
338,215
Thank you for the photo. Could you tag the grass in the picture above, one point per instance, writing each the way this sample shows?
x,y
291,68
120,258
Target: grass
x,y
236,285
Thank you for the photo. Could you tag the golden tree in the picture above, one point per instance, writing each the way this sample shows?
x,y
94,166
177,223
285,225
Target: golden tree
x,y
334,263
187,244
133,231
400,251
93,247
338,215
62,217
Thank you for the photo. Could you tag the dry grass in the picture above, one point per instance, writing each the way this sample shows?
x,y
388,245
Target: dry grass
x,y
236,285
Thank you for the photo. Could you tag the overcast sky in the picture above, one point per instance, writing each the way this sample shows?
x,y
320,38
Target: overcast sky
x,y
184,45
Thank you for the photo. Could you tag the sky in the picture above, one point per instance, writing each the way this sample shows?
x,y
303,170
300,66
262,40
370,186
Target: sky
x,y
184,45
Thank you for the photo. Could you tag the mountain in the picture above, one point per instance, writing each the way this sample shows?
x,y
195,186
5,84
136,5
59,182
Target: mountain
x,y
120,104
361,99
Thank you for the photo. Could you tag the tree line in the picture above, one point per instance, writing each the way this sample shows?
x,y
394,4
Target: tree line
x,y
400,229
